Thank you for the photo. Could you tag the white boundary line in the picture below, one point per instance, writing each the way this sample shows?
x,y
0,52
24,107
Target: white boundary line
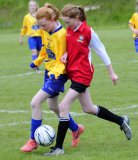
x,y
22,74
20,111
39,72
126,108
74,114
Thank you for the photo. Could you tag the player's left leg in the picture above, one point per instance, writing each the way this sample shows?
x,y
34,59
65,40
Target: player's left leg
x,y
136,44
104,113
76,135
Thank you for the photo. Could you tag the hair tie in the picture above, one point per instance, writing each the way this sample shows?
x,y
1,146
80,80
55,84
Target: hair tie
x,y
46,5
78,7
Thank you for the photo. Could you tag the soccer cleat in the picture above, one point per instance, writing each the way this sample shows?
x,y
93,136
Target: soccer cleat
x,y
126,128
54,152
29,146
76,135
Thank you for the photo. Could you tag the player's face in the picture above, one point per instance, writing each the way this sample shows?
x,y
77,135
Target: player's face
x,y
32,7
70,22
45,24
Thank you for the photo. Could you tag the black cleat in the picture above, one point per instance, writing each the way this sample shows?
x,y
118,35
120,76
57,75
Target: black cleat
x,y
54,152
126,128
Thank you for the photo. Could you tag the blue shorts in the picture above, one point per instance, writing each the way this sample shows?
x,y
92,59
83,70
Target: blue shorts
x,y
54,87
35,43
136,44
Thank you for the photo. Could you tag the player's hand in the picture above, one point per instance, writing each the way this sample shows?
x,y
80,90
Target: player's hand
x,y
21,41
112,74
135,31
33,66
114,78
64,58
52,76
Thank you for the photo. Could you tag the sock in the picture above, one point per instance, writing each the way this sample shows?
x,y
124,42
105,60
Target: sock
x,y
61,133
72,124
107,115
34,57
34,125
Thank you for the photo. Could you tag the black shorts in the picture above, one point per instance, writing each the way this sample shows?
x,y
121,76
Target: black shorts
x,y
78,87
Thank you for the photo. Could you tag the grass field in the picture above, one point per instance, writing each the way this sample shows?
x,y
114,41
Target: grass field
x,y
102,140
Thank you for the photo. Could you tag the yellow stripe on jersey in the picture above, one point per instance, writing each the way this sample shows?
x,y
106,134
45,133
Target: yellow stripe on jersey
x,y
54,46
134,22
30,27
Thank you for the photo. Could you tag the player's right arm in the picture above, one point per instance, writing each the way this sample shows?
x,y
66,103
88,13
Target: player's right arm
x,y
41,57
23,30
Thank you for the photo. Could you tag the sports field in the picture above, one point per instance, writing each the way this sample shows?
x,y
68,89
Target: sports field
x,y
102,140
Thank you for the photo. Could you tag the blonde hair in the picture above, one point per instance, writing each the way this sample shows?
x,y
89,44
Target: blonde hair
x,y
37,6
73,11
48,11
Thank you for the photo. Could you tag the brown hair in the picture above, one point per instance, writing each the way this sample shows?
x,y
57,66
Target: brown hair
x,y
73,11
48,11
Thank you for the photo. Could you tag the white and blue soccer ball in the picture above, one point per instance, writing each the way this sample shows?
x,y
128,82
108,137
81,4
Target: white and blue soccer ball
x,y
45,135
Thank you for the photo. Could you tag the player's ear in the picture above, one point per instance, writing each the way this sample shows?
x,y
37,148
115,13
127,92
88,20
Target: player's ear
x,y
77,17
53,17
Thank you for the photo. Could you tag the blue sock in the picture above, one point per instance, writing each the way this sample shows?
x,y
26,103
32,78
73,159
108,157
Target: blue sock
x,y
72,124
34,57
34,125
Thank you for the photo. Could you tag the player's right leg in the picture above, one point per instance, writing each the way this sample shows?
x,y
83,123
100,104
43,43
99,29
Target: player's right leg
x,y
76,129
36,120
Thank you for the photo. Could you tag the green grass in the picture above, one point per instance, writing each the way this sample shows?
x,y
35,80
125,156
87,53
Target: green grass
x,y
102,140
111,12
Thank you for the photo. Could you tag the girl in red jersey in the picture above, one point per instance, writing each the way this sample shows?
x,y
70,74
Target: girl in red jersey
x,y
80,40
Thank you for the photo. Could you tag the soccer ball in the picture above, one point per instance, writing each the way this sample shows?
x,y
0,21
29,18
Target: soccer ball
x,y
44,135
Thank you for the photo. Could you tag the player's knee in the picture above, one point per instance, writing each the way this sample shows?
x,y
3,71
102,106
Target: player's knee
x,y
88,110
56,110
34,104
63,110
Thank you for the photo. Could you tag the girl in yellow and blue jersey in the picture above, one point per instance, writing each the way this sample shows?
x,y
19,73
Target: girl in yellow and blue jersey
x,y
31,29
53,48
133,25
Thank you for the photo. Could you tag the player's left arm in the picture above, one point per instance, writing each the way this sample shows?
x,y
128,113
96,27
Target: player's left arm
x,y
132,24
112,74
64,58
59,67
99,48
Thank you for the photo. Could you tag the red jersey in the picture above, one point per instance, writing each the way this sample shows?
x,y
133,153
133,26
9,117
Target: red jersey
x,y
79,67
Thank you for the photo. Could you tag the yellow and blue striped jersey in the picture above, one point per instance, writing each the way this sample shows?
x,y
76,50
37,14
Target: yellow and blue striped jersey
x,y
54,46
134,22
30,27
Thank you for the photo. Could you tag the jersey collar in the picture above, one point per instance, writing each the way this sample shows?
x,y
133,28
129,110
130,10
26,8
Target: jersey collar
x,y
81,27
57,29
